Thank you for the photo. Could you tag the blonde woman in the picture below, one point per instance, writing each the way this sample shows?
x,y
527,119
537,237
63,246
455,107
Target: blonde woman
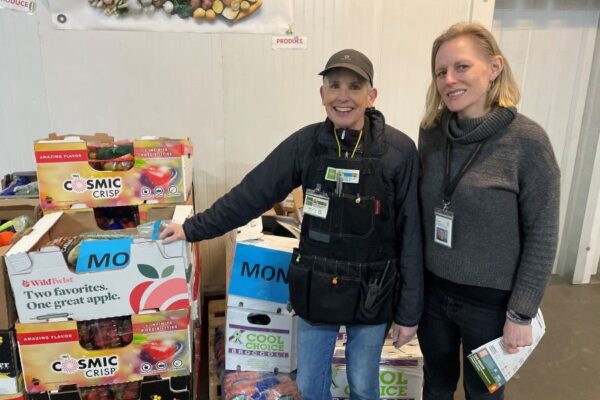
x,y
489,194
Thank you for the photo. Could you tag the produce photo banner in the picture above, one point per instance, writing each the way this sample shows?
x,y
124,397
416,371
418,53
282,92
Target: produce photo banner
x,y
211,16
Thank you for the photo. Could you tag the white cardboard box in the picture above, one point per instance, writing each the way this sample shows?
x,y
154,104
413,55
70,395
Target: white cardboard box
x,y
260,341
400,373
342,337
259,276
44,287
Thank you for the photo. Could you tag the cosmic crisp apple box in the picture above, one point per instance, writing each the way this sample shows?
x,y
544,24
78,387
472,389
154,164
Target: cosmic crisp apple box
x,y
100,278
104,352
151,388
97,171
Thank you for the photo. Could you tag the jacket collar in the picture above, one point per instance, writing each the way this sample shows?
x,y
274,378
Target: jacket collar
x,y
376,126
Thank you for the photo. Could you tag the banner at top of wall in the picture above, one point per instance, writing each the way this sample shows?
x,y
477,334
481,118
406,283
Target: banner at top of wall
x,y
208,16
27,6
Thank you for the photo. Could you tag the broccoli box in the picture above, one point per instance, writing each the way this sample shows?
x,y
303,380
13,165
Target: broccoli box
x,y
260,341
96,278
96,171
400,373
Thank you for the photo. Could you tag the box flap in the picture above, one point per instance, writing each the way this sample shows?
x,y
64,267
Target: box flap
x,y
280,243
181,213
173,249
38,230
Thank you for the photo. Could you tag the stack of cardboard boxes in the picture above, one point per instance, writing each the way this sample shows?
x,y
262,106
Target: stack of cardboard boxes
x,y
261,329
115,316
260,332
11,384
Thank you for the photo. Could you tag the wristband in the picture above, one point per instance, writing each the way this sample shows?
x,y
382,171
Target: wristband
x,y
517,318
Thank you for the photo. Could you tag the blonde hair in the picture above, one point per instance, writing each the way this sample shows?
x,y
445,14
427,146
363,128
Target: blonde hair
x,y
503,92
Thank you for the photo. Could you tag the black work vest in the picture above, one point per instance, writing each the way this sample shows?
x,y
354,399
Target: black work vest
x,y
345,269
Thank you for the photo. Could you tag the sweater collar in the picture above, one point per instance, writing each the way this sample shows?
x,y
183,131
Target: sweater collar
x,y
493,122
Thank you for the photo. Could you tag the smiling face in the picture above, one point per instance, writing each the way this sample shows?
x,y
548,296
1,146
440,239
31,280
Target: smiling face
x,y
346,96
463,75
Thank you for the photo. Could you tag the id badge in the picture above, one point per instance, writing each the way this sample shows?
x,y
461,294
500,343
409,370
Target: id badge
x,y
316,204
347,175
442,232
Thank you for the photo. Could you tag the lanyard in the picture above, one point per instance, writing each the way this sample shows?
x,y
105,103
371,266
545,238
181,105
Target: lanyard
x,y
340,147
450,186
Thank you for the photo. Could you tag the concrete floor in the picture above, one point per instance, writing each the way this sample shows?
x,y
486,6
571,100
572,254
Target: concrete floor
x,y
566,364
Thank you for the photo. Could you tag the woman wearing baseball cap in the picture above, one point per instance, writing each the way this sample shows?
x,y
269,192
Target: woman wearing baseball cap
x,y
359,261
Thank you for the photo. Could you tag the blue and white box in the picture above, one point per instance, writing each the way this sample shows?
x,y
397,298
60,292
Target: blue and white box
x,y
259,275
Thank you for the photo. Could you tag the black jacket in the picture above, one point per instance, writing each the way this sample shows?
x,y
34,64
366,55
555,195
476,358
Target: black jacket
x,y
286,168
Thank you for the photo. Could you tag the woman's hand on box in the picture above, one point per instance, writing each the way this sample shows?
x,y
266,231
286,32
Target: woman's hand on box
x,y
172,233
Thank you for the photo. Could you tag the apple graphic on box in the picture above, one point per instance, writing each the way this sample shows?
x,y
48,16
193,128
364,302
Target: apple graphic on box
x,y
156,175
160,350
160,292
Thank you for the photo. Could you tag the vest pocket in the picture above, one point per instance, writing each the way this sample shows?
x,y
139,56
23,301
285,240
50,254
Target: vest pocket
x,y
378,295
299,282
334,297
357,216
342,292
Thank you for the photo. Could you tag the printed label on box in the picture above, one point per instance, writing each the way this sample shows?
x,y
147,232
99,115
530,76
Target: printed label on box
x,y
400,373
71,173
259,341
51,290
52,353
260,273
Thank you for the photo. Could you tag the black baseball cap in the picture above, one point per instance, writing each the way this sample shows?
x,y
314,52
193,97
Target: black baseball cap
x,y
353,60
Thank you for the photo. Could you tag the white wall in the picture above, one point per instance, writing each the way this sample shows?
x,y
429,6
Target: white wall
x,y
233,95
550,45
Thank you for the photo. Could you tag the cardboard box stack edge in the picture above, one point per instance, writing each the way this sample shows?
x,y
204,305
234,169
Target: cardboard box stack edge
x,y
11,382
169,382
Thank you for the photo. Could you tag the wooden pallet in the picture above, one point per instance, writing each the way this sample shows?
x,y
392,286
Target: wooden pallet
x,y
216,318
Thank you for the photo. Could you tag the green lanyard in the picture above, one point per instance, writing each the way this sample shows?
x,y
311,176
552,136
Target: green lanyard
x,y
340,147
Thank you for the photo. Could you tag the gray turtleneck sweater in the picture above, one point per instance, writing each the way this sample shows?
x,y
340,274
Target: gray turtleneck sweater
x,y
506,206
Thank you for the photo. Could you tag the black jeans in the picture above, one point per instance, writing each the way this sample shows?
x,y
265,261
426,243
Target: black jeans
x,y
447,322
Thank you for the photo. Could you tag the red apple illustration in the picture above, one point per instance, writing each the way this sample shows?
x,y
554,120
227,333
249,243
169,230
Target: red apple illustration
x,y
155,175
159,292
160,350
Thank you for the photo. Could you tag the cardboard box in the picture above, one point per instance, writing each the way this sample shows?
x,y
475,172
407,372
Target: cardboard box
x,y
260,341
216,346
259,275
67,176
8,312
155,212
294,201
13,396
10,369
11,208
52,355
342,337
400,373
129,275
151,388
